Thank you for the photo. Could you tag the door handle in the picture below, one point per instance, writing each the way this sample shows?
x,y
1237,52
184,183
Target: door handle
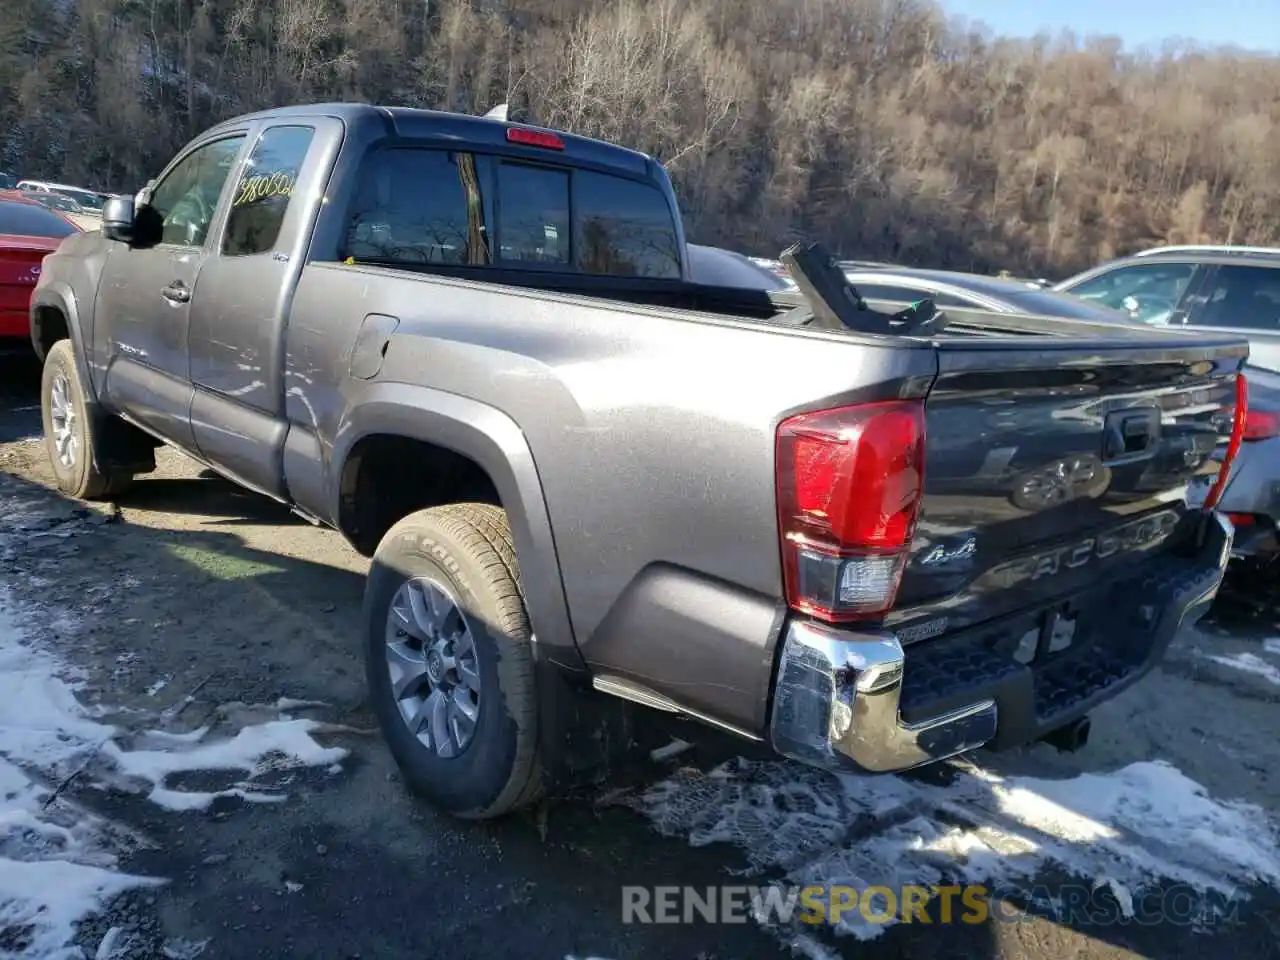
x,y
176,292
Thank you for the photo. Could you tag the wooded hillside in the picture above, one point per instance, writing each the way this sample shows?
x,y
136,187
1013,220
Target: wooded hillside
x,y
871,124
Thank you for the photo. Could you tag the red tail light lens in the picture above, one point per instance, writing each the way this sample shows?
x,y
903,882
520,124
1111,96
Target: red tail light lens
x,y
1261,425
534,138
849,485
1238,418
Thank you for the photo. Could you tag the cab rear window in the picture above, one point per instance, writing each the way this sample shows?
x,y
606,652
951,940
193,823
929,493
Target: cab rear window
x,y
418,207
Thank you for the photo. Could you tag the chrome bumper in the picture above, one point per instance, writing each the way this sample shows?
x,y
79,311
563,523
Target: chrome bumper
x,y
836,706
838,693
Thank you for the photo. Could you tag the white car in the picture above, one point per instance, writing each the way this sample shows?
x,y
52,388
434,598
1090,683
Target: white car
x,y
89,201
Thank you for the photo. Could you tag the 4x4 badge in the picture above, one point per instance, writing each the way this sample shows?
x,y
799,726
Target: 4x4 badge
x,y
941,554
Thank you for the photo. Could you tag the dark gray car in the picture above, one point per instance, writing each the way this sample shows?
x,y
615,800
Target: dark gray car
x,y
950,289
588,481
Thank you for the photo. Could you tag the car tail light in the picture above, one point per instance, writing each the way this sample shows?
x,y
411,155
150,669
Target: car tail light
x,y
534,138
849,482
1261,425
1238,417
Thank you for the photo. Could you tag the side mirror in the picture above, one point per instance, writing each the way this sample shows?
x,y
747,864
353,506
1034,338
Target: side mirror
x,y
117,219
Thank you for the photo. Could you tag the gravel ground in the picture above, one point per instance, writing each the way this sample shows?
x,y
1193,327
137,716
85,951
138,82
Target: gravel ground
x,y
195,604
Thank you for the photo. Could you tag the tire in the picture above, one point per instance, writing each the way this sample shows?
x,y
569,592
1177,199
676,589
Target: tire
x,y
465,549
61,389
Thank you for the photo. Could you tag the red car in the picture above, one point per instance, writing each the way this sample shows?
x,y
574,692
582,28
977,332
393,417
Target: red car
x,y
29,231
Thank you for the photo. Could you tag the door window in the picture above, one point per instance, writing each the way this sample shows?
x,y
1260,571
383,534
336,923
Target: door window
x,y
1239,296
185,200
1149,292
262,195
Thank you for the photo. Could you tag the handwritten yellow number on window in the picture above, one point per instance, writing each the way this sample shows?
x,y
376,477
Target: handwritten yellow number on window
x,y
262,187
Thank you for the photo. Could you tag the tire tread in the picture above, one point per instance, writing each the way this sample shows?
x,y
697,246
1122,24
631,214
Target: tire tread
x,y
483,532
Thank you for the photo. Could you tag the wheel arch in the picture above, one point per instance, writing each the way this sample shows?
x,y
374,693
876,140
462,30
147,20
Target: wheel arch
x,y
495,444
54,316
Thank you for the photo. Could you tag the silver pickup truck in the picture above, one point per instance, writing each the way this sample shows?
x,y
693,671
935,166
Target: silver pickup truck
x,y
870,541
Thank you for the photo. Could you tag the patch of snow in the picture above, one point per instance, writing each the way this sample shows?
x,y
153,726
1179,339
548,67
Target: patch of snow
x,y
1272,645
157,686
1248,663
1126,831
59,862
277,744
56,860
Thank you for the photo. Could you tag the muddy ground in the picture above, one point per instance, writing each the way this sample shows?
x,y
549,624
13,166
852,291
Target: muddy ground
x,y
194,595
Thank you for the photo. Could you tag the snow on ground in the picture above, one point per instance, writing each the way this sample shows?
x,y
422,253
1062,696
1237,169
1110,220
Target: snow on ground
x,y
1247,662
59,863
1129,830
1251,662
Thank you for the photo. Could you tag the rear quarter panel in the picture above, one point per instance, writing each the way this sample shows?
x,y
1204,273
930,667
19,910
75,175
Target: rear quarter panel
x,y
653,436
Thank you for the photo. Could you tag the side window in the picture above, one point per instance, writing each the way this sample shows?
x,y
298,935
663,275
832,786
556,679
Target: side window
x,y
186,199
623,227
1149,292
1247,297
415,207
875,291
533,215
262,196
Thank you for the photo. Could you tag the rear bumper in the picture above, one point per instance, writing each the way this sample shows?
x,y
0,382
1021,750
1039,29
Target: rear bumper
x,y
1254,489
14,324
862,702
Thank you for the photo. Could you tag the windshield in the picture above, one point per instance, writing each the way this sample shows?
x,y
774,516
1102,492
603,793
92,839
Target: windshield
x,y
57,201
31,220
90,201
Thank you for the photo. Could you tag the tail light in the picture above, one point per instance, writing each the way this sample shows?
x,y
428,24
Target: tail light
x,y
849,482
1238,418
1261,425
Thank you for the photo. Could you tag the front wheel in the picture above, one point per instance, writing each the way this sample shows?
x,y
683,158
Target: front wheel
x,y
69,431
448,660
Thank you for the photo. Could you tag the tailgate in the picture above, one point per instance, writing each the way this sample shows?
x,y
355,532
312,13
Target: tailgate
x,y
1050,461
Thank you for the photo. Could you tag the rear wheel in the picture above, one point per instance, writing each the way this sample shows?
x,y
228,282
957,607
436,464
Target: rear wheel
x,y
448,660
69,431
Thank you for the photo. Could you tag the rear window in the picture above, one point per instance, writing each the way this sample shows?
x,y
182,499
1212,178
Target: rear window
x,y
421,206
533,215
623,227
31,220
411,208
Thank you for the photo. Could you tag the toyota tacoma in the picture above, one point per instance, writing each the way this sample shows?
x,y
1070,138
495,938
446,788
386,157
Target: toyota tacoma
x,y
868,540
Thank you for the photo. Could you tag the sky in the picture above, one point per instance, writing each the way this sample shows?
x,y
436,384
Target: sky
x,y
1252,24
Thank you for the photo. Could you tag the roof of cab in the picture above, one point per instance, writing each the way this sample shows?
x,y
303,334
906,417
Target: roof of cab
x,y
415,123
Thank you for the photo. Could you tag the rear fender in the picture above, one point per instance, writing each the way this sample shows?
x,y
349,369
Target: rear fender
x,y
495,442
